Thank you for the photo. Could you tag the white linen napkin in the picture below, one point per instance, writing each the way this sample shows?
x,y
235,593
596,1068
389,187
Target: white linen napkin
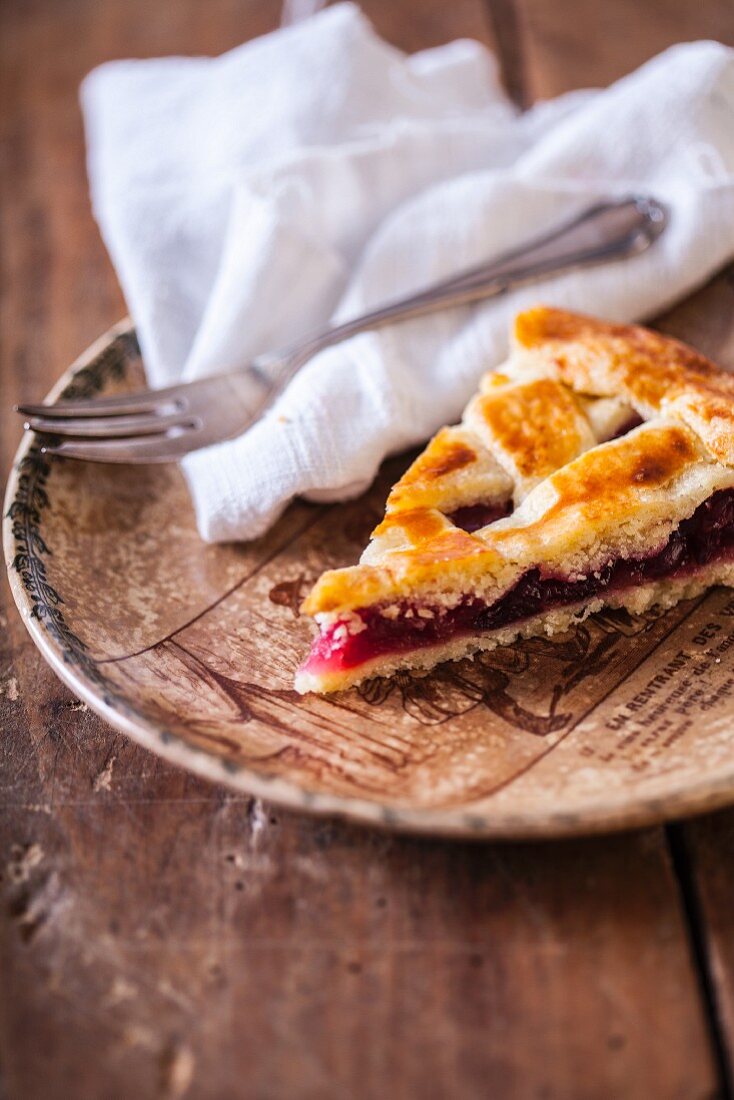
x,y
317,171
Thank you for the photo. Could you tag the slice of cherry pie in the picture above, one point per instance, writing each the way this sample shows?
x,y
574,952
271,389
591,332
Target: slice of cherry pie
x,y
595,468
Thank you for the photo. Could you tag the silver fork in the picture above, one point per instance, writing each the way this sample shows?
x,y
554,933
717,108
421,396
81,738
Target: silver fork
x,y
163,425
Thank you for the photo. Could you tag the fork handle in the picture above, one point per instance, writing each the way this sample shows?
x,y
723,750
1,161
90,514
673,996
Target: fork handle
x,y
609,230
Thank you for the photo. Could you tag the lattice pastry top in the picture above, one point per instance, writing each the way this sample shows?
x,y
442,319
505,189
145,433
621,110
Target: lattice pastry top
x,y
591,444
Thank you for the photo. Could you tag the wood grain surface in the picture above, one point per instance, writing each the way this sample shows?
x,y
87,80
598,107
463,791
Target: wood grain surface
x,y
160,937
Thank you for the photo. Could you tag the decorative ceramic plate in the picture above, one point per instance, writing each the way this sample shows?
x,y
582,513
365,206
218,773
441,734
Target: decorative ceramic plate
x,y
191,649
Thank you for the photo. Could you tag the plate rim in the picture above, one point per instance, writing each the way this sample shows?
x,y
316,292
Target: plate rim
x,y
685,801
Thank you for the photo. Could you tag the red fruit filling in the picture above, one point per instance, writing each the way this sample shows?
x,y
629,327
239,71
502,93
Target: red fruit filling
x,y
633,422
707,536
474,516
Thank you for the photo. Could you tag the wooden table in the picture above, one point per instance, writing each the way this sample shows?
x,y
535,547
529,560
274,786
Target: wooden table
x,y
161,937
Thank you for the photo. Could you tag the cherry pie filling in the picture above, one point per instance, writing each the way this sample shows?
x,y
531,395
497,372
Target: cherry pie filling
x,y
705,537
473,516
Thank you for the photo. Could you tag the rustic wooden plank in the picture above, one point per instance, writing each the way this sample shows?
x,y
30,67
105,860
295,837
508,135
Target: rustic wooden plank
x,y
163,927
705,855
162,937
584,44
421,24
510,44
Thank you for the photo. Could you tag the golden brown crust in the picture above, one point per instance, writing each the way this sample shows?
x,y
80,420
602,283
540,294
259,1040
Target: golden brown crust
x,y
453,456
654,373
454,469
594,499
532,428
420,564
536,431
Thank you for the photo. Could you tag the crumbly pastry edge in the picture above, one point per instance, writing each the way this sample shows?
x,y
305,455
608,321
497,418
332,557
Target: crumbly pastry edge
x,y
662,594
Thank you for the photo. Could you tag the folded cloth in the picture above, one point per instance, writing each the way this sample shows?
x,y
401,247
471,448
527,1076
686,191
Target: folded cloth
x,y
316,172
